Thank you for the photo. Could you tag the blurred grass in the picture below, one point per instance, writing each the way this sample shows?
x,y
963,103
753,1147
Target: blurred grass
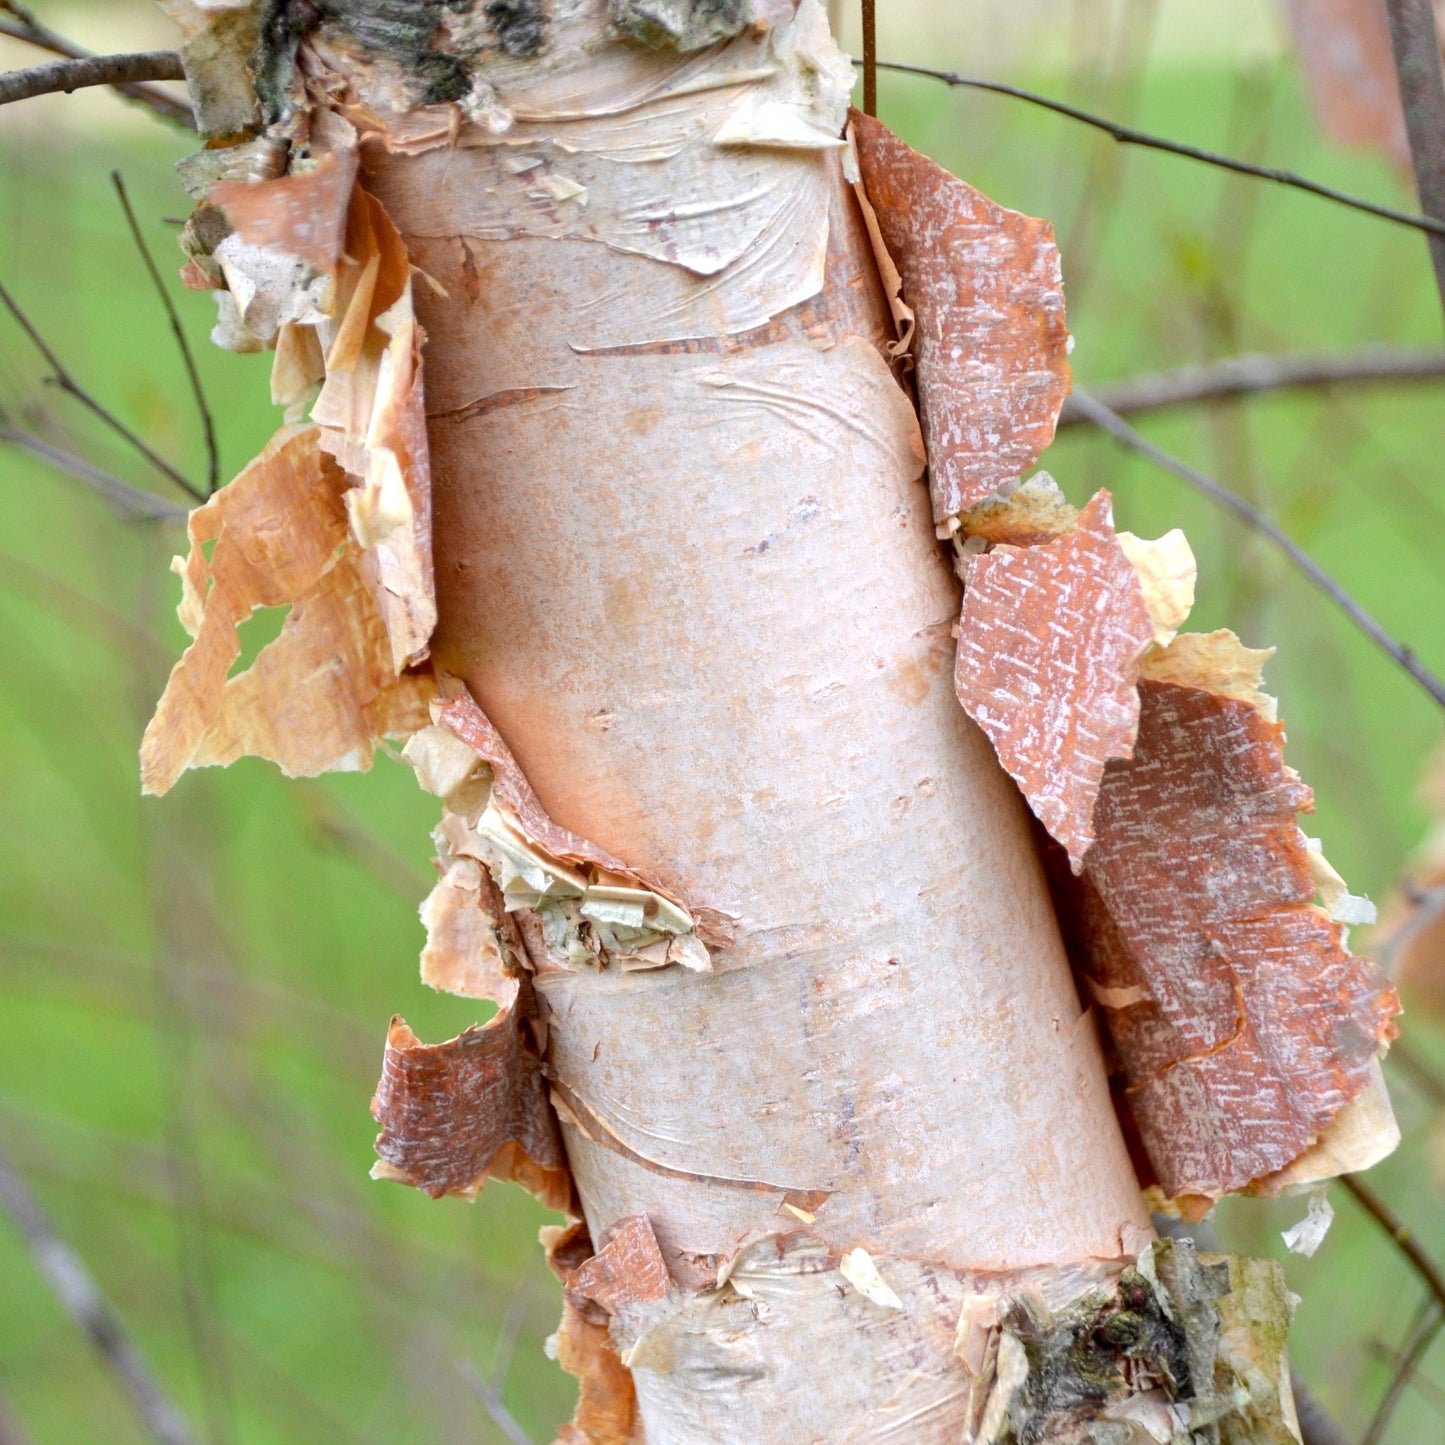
x,y
196,989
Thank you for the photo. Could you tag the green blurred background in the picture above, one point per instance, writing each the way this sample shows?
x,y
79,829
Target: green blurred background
x,y
196,990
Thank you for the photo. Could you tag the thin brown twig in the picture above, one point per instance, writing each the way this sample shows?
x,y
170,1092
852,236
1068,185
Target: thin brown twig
x,y
64,76
1408,1360
1128,135
870,58
133,503
208,425
1415,38
27,29
79,1295
1109,421
1404,1239
1259,374
68,384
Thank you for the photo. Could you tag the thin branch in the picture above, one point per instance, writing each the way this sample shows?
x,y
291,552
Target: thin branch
x,y
68,384
1107,420
79,1295
1421,1074
1259,374
1421,1338
27,29
68,75
1416,41
208,426
491,1402
1128,135
870,58
1404,1240
133,503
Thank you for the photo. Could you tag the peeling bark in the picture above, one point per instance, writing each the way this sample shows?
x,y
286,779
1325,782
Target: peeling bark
x,y
634,538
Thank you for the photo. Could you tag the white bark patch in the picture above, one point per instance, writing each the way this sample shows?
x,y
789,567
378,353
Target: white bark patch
x,y
858,1269
1307,1236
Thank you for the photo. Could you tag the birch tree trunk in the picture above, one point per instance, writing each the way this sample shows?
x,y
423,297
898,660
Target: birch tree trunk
x,y
746,880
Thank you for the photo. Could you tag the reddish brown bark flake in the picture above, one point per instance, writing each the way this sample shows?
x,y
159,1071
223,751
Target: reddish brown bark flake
x,y
455,1114
628,1269
985,288
1242,1024
303,214
1049,644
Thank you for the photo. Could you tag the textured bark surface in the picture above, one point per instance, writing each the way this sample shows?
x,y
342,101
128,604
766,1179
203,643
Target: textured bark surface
x,y
783,1006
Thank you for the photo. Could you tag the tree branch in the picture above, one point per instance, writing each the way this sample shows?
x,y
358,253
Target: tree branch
x,y
69,75
1416,41
27,29
1128,135
1109,421
68,384
134,503
1421,1338
79,1295
1404,1240
208,426
1259,374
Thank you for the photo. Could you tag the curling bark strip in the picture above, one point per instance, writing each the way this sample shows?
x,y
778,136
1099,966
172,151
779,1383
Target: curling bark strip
x,y
783,1005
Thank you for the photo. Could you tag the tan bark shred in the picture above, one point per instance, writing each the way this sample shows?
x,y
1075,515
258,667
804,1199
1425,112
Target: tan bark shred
x,y
316,697
606,1412
986,291
1050,639
1243,1025
628,1269
456,1114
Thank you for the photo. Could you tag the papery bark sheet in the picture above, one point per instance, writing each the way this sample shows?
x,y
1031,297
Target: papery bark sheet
x,y
455,1114
320,694
987,296
1049,643
1243,1025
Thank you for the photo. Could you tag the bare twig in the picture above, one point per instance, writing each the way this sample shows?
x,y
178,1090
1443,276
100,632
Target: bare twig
x,y
1416,42
1421,1074
208,426
870,58
1421,1338
1109,421
1404,1240
26,28
491,1402
79,1295
1259,374
1128,135
67,75
133,503
68,384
